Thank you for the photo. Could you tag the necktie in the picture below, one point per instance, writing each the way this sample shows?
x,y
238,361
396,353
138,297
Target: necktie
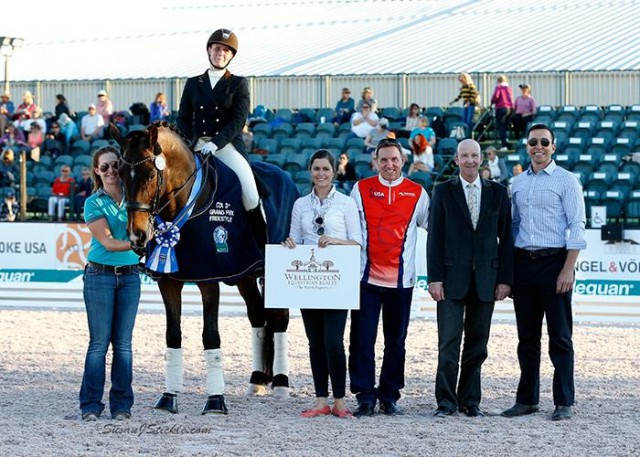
x,y
472,203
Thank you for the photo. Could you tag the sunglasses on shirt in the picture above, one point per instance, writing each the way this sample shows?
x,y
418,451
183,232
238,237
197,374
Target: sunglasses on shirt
x,y
105,166
544,142
319,225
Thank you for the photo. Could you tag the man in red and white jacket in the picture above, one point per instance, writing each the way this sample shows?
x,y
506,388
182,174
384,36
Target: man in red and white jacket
x,y
391,209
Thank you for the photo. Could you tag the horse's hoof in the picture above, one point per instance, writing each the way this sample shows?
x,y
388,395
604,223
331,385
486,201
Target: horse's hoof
x,y
167,402
256,390
280,393
215,405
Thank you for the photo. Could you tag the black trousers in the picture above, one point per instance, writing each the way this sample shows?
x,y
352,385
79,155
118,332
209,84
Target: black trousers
x,y
534,297
325,331
473,317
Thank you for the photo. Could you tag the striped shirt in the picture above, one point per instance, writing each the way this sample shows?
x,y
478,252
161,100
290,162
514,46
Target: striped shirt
x,y
468,93
548,210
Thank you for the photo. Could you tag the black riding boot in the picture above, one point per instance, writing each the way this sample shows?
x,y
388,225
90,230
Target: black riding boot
x,y
258,226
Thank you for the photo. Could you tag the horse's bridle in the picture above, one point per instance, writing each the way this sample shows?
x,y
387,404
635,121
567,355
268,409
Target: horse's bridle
x,y
155,209
146,207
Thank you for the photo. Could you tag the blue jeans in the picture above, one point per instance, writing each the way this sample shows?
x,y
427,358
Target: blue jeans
x,y
112,303
467,115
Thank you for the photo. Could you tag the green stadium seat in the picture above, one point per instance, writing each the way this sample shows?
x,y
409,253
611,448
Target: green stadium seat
x,y
290,145
615,113
285,114
633,113
295,163
615,203
590,113
305,129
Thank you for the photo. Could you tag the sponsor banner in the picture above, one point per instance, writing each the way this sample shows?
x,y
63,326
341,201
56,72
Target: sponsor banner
x,y
61,276
312,277
41,246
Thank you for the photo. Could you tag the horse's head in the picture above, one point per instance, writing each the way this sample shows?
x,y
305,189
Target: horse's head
x,y
142,165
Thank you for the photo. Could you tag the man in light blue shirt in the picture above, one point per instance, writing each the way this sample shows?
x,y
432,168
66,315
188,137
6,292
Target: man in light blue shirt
x,y
548,229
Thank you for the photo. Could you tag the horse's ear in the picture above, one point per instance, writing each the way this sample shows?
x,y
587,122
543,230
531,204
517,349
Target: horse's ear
x,y
153,140
115,133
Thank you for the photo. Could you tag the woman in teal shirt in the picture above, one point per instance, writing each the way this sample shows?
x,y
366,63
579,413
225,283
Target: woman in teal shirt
x,y
111,292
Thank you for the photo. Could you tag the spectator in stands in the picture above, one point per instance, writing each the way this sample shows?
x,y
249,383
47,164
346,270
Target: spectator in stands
x,y
344,108
7,110
502,99
412,121
61,107
26,108
55,142
367,98
378,133
60,193
10,207
68,128
13,138
524,110
35,137
24,123
485,173
104,107
422,156
424,130
496,165
83,190
470,98
92,125
363,121
159,111
324,218
515,171
345,173
9,169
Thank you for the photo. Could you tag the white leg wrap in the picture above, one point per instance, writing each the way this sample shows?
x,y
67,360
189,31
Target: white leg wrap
x,y
281,354
213,362
257,345
173,370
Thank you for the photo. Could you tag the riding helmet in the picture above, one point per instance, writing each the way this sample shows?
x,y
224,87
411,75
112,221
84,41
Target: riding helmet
x,y
226,37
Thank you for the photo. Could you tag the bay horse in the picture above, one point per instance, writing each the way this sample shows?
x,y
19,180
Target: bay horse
x,y
172,194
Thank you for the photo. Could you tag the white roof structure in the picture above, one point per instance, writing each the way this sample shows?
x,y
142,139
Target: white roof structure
x,y
163,39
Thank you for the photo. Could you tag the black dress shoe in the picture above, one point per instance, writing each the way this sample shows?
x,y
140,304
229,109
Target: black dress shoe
x,y
561,413
442,411
472,411
520,410
364,409
389,408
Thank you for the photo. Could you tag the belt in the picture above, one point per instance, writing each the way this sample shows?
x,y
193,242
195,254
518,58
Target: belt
x,y
119,270
539,253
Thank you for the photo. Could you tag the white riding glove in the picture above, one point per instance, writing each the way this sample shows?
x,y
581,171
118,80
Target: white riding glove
x,y
209,148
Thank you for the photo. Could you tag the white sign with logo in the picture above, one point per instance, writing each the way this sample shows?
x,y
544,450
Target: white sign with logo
x,y
598,216
312,277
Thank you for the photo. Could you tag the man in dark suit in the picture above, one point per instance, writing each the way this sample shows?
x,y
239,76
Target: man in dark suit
x,y
213,111
470,265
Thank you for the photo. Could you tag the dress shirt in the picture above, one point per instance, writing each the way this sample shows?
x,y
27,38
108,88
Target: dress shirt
x,y
548,210
340,214
215,75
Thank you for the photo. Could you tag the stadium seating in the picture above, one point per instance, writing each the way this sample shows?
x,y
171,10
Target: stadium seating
x,y
615,113
305,129
392,113
269,144
630,129
568,114
260,131
326,129
633,114
590,113
632,208
545,114
583,130
423,178
294,163
290,145
327,113
308,114
282,130
276,159
284,114
624,183
620,147
613,200
447,146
